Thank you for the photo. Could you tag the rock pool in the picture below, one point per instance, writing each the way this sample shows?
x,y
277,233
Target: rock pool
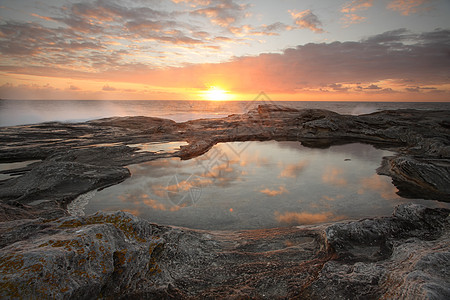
x,y
249,185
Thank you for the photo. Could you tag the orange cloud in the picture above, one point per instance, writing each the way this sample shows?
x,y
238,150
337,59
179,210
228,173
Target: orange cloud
x,y
219,170
159,190
328,198
356,5
222,13
186,185
350,19
307,20
42,17
194,3
407,7
378,184
293,170
281,190
154,204
350,8
334,176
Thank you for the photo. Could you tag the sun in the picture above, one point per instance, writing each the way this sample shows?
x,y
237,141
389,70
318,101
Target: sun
x,y
216,94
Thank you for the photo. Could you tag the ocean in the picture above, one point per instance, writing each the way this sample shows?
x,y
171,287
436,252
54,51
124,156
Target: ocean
x,y
22,112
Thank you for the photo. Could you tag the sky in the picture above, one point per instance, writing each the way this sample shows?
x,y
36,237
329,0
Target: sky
x,y
355,50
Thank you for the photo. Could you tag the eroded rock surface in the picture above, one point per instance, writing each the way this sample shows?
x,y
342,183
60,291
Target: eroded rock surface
x,y
118,255
418,177
406,256
46,253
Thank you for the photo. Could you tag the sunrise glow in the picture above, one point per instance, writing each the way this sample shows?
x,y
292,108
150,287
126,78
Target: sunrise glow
x,y
310,50
216,94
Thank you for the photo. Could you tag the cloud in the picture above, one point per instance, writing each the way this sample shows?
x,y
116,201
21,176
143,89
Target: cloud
x,y
356,5
247,30
145,200
281,190
154,204
350,8
228,14
42,17
418,89
378,184
388,61
108,88
48,92
313,65
407,7
338,87
222,13
334,176
372,87
292,170
223,174
120,32
118,21
26,39
395,37
350,19
194,3
307,20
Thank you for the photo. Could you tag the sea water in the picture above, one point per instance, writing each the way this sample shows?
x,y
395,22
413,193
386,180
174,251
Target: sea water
x,y
21,112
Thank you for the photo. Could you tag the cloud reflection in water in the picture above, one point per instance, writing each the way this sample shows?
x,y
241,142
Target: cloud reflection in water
x,y
269,184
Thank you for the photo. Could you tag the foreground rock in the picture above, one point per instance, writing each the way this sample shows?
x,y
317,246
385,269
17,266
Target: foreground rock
x,y
406,256
46,253
118,255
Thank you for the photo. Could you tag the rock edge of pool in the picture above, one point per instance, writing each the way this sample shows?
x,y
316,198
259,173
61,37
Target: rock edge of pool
x,y
46,253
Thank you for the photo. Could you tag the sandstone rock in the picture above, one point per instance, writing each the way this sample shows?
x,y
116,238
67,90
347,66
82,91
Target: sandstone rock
x,y
404,256
80,258
118,255
418,177
60,181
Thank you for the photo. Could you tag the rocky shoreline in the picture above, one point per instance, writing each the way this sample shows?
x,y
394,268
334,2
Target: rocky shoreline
x,y
45,253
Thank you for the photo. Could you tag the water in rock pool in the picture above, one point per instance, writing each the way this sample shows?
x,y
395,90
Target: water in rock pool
x,y
249,185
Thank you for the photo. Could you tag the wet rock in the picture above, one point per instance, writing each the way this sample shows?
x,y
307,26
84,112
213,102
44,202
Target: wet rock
x,y
404,256
60,181
46,209
272,108
92,257
113,155
371,239
149,124
118,255
418,177
196,148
